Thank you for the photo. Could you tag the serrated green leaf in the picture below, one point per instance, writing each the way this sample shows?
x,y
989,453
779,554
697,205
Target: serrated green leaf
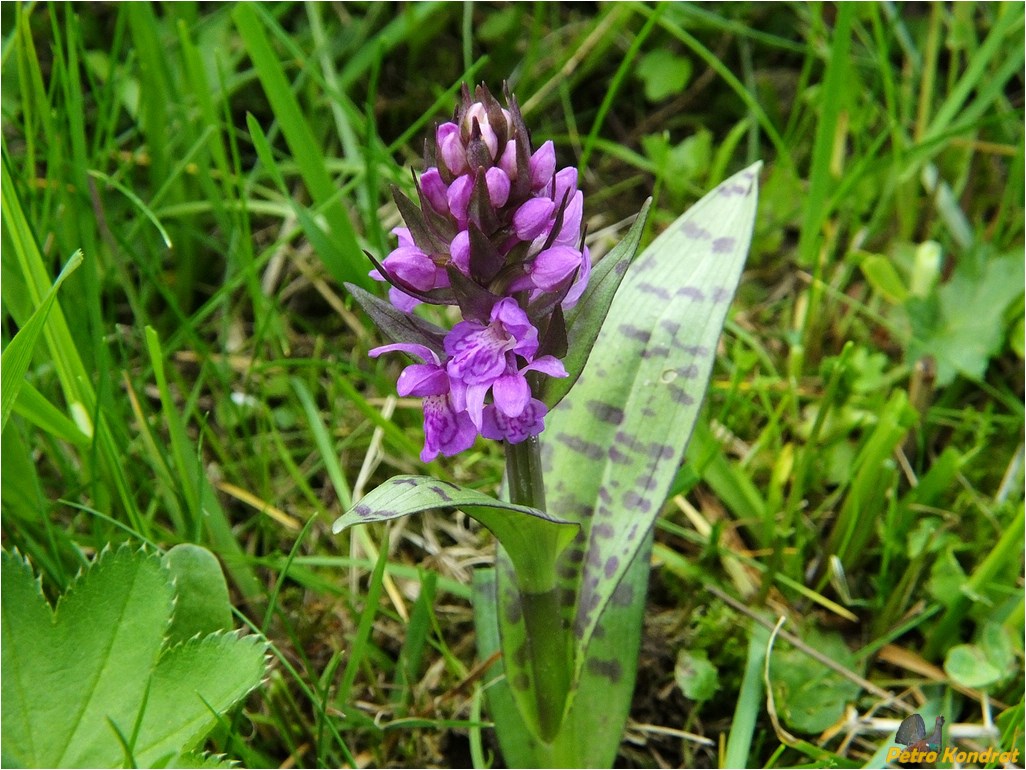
x,y
584,321
964,325
192,683
17,356
202,606
88,664
80,680
533,538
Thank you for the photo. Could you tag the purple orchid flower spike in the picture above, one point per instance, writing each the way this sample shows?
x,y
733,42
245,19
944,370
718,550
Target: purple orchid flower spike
x,y
498,233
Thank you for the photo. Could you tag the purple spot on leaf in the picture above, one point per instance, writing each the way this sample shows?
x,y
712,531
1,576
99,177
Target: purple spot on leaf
x,y
440,492
514,611
610,669
623,596
723,245
691,292
680,396
688,372
656,291
719,294
693,230
618,457
634,333
605,412
659,351
610,568
629,441
633,500
604,531
577,444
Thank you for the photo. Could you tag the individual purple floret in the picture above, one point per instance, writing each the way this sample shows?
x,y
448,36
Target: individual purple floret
x,y
498,233
447,430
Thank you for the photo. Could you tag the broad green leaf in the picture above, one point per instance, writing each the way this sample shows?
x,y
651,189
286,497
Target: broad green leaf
x,y
963,325
584,321
633,409
695,675
17,356
969,666
193,683
809,696
612,448
533,538
99,666
663,73
203,606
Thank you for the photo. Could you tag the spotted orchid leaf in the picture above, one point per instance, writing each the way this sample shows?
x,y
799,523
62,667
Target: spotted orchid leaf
x,y
532,538
628,420
588,737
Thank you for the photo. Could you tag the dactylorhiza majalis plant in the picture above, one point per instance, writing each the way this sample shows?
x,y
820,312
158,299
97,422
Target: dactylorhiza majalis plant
x,y
592,377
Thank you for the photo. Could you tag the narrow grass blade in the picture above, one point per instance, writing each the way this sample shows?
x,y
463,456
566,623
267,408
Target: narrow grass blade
x,y
345,263
17,356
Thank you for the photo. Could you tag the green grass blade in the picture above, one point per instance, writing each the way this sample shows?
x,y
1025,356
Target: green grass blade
x,y
304,147
17,356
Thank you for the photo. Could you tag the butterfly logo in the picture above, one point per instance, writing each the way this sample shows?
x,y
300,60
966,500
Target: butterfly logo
x,y
912,733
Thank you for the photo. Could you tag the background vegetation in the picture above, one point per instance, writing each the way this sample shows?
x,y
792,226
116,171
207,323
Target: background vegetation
x,y
859,467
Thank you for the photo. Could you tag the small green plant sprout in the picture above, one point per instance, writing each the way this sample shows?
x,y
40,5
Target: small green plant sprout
x,y
132,668
592,377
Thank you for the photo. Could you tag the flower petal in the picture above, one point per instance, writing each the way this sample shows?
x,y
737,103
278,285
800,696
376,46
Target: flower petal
x,y
446,431
423,352
435,190
423,380
511,394
549,365
542,165
554,265
531,219
413,267
498,186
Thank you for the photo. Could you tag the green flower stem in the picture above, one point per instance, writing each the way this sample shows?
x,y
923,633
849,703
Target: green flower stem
x,y
548,637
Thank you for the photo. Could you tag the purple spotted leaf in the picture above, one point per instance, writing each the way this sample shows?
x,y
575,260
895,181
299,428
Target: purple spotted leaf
x,y
584,321
532,538
627,421
588,737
